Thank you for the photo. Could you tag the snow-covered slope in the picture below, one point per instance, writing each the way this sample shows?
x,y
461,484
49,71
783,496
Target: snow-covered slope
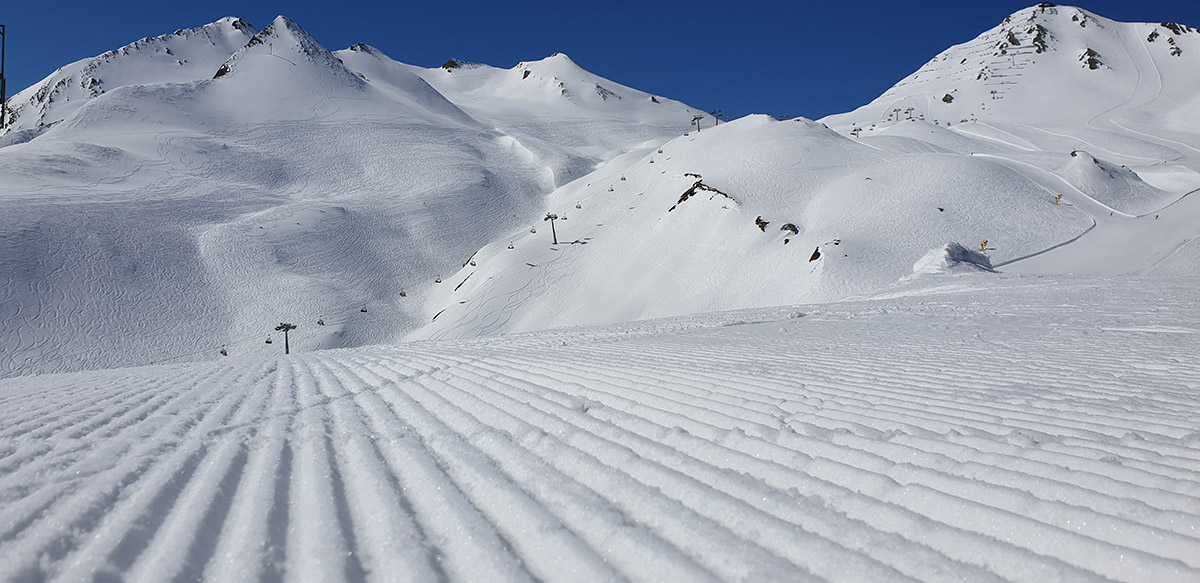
x,y
1015,73
756,212
186,55
1053,80
560,112
368,200
1009,393
554,86
285,183
1051,166
1016,429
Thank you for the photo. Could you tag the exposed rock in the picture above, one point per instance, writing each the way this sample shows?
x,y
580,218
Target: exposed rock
x,y
696,188
1177,28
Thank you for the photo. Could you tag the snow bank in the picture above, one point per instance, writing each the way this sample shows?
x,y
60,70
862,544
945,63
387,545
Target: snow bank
x,y
952,257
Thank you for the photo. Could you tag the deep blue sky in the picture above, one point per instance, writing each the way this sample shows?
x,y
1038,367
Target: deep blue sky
x,y
753,56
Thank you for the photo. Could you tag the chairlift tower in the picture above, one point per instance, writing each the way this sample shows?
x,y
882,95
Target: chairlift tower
x,y
3,82
552,217
285,328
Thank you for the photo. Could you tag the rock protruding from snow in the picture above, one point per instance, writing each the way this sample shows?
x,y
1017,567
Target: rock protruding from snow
x,y
952,257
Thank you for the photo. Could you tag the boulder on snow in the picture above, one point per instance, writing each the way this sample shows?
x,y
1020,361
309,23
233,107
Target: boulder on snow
x,y
952,257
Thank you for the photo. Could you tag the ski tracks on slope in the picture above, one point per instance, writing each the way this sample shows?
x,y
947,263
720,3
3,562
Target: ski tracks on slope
x,y
742,452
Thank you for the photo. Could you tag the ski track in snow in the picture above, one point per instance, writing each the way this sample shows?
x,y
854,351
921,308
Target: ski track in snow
x,y
920,438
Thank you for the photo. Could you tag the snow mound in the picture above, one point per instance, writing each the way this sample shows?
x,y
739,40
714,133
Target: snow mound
x,y
952,257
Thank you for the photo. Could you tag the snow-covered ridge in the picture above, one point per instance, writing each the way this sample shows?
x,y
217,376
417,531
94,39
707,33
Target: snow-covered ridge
x,y
185,55
1005,73
555,85
284,39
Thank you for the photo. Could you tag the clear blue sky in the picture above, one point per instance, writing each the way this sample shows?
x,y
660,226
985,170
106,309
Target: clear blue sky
x,y
753,56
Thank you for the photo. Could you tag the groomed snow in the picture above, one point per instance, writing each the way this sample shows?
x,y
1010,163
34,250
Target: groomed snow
x,y
983,428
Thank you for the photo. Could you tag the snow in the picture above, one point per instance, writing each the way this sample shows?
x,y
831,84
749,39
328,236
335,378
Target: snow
x,y
1020,429
960,346
289,188
952,256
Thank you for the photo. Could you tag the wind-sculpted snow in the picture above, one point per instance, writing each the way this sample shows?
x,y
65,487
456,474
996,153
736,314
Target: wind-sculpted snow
x,y
1027,429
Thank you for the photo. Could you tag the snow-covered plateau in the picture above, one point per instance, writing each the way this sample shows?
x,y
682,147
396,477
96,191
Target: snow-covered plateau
x,y
553,328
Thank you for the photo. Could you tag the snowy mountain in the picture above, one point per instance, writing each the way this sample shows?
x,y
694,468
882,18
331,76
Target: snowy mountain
x,y
1007,144
274,180
279,181
948,336
1056,80
1111,72
185,55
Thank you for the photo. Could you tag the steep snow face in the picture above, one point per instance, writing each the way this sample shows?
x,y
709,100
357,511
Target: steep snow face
x,y
186,55
398,81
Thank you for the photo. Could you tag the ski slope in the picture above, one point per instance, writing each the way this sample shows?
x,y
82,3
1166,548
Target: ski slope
x,y
966,426
265,179
925,340
1009,144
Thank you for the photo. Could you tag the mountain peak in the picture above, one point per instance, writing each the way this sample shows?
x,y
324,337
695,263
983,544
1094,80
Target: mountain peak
x,y
558,63
288,44
1004,74
188,54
